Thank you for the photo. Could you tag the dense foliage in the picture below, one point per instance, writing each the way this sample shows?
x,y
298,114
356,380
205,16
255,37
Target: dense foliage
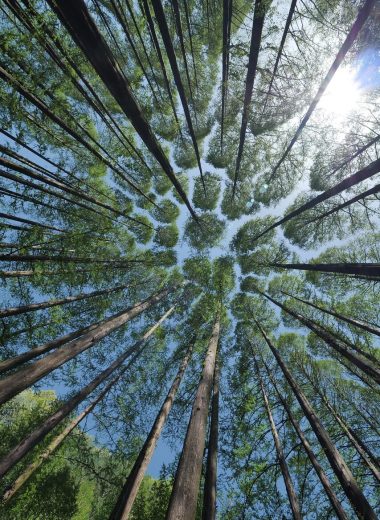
x,y
189,254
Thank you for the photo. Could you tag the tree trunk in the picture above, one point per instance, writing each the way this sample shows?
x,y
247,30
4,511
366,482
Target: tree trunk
x,y
209,493
77,20
279,53
29,222
18,381
15,311
364,13
292,495
358,360
366,173
339,466
363,450
257,29
352,321
131,487
340,513
164,30
367,193
367,269
183,500
31,440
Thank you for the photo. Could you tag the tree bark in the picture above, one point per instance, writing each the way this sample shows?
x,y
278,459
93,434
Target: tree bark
x,y
29,222
77,20
15,311
352,321
367,269
292,495
131,487
340,513
31,440
363,14
257,29
358,360
209,493
164,30
18,381
339,466
183,500
363,450
366,173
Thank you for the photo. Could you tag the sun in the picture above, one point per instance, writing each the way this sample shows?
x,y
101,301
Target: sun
x,y
343,94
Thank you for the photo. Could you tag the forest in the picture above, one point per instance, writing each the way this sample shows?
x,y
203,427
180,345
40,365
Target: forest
x,y
189,259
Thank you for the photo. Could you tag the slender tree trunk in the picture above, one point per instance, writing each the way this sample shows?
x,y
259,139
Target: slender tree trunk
x,y
18,381
339,466
75,259
257,29
29,222
209,494
352,321
164,30
292,495
55,444
183,500
363,450
364,13
161,60
131,487
340,513
77,20
366,173
365,194
357,359
279,53
31,440
367,269
15,311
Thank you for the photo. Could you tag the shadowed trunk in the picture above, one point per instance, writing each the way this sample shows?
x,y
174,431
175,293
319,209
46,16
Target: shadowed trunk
x,y
14,311
257,29
183,500
164,30
292,496
131,487
339,466
209,492
335,343
77,20
366,173
352,321
340,513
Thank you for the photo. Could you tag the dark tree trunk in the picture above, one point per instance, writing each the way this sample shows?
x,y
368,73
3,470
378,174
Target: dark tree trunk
x,y
360,176
209,493
352,321
340,513
339,466
367,193
131,487
183,500
164,30
15,311
77,20
22,379
335,343
257,29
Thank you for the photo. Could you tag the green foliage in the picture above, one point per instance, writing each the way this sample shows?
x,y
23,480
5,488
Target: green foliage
x,y
204,233
206,200
166,236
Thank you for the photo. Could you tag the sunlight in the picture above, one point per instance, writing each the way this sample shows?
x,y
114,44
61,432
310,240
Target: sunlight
x,y
342,95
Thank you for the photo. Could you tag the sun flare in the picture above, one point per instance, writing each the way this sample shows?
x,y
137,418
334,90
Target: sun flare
x,y
342,95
